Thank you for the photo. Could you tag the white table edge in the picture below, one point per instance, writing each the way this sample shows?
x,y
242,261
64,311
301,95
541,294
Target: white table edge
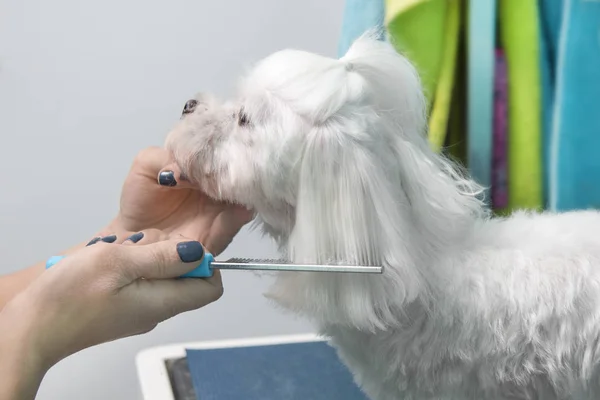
x,y
151,368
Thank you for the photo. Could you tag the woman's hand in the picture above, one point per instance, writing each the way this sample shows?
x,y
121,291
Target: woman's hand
x,y
155,195
98,294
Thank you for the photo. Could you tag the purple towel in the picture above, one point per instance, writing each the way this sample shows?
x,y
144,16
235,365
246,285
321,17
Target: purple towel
x,y
500,135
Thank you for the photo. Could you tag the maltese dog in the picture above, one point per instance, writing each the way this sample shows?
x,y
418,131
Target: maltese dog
x,y
332,156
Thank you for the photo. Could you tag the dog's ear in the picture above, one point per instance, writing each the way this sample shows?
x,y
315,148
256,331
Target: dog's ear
x,y
349,210
335,215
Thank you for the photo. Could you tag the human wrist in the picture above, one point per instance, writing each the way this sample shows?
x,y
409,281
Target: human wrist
x,y
23,363
11,285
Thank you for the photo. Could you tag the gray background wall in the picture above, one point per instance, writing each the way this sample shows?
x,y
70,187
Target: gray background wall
x,y
83,87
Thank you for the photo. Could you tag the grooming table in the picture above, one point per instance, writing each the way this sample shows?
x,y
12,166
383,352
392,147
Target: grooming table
x,y
295,367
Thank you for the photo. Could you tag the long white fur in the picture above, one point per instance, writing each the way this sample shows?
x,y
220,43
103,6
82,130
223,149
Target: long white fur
x,y
336,164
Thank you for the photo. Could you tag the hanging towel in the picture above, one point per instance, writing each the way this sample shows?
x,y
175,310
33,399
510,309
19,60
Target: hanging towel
x,y
520,40
417,30
550,14
456,137
549,28
575,136
481,62
359,17
499,164
438,122
547,92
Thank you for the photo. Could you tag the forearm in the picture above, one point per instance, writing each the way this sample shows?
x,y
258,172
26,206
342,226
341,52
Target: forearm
x,y
25,355
21,365
12,284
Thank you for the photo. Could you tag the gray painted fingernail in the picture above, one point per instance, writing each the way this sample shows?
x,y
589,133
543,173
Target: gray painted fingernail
x,y
190,251
106,239
136,237
167,178
94,241
109,239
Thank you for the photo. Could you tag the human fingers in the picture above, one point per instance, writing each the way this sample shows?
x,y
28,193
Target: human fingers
x,y
156,163
161,260
107,238
145,237
166,298
151,160
170,175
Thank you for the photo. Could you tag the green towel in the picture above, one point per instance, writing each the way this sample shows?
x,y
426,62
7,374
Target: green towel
x,y
440,113
417,29
519,35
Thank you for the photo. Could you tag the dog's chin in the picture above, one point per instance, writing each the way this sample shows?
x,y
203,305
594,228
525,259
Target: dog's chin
x,y
206,182
213,187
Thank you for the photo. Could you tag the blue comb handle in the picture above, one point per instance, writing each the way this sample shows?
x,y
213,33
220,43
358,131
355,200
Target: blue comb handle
x,y
204,270
53,260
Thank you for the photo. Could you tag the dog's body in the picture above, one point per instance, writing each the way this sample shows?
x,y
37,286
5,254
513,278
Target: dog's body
x,y
519,320
332,156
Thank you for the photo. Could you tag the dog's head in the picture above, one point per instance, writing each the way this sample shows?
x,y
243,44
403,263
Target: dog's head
x,y
300,123
331,155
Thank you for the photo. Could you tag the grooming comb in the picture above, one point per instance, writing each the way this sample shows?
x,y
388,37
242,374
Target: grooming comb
x,y
205,269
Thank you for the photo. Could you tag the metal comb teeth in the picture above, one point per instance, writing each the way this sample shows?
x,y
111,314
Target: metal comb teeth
x,y
285,265
239,260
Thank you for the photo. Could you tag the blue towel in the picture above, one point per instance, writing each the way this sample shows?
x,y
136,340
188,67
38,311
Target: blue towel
x,y
297,371
574,162
361,16
481,65
549,20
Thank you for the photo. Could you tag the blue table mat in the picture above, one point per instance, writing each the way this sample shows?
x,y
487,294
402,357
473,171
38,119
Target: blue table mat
x,y
297,371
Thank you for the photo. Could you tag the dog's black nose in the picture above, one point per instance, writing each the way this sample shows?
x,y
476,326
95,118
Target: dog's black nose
x,y
189,107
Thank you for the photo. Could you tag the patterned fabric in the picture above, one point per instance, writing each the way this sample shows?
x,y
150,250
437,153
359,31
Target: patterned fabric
x,y
298,371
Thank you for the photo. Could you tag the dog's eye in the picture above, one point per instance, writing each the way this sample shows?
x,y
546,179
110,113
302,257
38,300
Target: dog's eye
x,y
243,118
189,107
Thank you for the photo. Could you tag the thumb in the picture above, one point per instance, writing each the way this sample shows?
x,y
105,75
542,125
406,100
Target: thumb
x,y
172,176
164,260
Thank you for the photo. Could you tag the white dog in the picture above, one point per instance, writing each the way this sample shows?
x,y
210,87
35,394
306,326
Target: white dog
x,y
332,155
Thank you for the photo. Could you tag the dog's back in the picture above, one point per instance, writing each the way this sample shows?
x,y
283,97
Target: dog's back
x,y
520,321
